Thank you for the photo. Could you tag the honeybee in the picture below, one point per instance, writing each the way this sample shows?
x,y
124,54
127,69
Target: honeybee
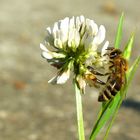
x,y
117,77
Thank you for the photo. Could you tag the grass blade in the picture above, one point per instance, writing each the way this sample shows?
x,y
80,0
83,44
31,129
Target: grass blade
x,y
132,70
107,110
128,48
119,32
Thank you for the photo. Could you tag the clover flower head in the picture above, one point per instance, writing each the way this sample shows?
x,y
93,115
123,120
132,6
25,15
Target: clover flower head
x,y
72,44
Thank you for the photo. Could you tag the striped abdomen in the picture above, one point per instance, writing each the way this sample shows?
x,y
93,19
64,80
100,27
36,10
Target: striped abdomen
x,y
113,85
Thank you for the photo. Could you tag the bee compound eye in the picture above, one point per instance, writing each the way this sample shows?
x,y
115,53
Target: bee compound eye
x,y
113,54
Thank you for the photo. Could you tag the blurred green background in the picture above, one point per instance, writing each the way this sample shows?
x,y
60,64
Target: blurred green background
x,y
30,108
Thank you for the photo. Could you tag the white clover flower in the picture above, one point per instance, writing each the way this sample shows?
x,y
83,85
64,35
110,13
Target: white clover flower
x,y
73,44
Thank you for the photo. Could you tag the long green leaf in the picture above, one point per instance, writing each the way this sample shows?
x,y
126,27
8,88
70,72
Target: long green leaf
x,y
132,70
107,111
128,48
119,32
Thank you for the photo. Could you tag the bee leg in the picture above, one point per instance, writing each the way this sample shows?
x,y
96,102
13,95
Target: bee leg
x,y
93,80
110,48
111,66
100,74
92,70
96,80
111,61
100,82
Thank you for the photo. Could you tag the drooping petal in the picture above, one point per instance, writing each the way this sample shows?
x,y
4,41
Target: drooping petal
x,y
61,78
46,53
43,48
49,54
64,77
81,83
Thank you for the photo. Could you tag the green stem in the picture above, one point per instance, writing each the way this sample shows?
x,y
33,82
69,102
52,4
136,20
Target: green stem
x,y
79,113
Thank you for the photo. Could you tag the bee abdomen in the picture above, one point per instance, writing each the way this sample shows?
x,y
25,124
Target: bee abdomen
x,y
104,96
109,91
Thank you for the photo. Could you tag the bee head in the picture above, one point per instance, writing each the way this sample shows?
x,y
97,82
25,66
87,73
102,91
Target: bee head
x,y
113,53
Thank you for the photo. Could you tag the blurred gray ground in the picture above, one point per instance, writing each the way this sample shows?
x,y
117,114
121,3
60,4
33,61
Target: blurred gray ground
x,y
30,108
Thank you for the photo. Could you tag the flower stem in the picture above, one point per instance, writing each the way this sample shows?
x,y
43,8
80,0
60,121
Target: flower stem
x,y
79,113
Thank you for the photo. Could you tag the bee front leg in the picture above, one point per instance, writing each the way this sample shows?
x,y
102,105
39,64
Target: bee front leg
x,y
100,82
93,80
92,70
